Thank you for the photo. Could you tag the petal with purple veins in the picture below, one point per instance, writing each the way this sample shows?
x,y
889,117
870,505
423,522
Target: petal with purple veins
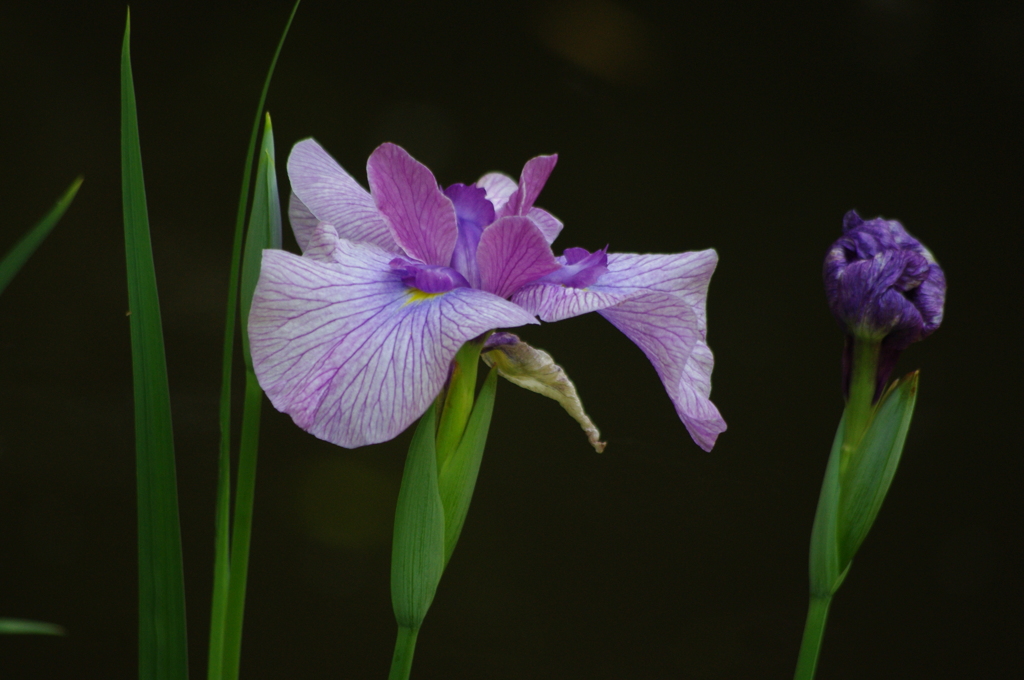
x,y
554,302
349,351
302,220
683,274
548,224
323,190
693,398
533,178
499,188
666,328
512,253
323,243
421,218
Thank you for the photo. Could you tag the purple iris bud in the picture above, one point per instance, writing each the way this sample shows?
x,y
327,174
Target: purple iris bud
x,y
883,286
580,268
473,212
427,277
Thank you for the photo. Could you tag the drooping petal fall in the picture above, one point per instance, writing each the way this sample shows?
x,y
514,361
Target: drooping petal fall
x,y
666,328
659,302
683,274
348,350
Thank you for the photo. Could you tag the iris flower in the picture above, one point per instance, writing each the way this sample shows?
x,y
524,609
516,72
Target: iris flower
x,y
355,338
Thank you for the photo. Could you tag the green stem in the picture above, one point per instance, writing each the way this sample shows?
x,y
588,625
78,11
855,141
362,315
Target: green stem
x,y
241,530
405,647
860,403
814,631
458,403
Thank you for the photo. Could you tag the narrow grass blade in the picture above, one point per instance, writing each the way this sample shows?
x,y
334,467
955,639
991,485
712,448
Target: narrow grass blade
x,y
222,539
264,229
457,478
27,627
20,253
264,232
241,528
162,642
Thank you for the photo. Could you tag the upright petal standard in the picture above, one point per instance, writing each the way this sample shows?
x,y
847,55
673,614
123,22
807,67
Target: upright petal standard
x,y
356,337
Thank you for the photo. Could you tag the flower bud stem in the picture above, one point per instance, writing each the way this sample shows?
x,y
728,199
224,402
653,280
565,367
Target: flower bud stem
x,y
814,630
859,403
405,646
860,409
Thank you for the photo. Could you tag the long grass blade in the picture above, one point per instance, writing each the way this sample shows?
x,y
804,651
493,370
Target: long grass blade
x,y
264,229
20,253
241,528
222,532
27,627
264,232
162,641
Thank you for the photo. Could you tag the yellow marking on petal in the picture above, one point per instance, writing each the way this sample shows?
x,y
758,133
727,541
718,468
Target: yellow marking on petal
x,y
415,295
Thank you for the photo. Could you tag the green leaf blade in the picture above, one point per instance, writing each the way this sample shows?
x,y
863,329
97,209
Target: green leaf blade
x,y
457,479
222,558
826,569
23,249
417,552
162,639
874,464
264,229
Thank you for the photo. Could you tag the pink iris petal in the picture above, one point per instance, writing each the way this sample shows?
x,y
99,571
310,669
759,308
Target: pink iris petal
x,y
535,174
693,401
322,189
302,220
683,274
659,302
554,302
512,252
498,187
665,327
323,243
349,351
421,218
548,224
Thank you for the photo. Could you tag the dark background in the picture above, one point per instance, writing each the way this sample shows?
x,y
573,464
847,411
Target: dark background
x,y
744,126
